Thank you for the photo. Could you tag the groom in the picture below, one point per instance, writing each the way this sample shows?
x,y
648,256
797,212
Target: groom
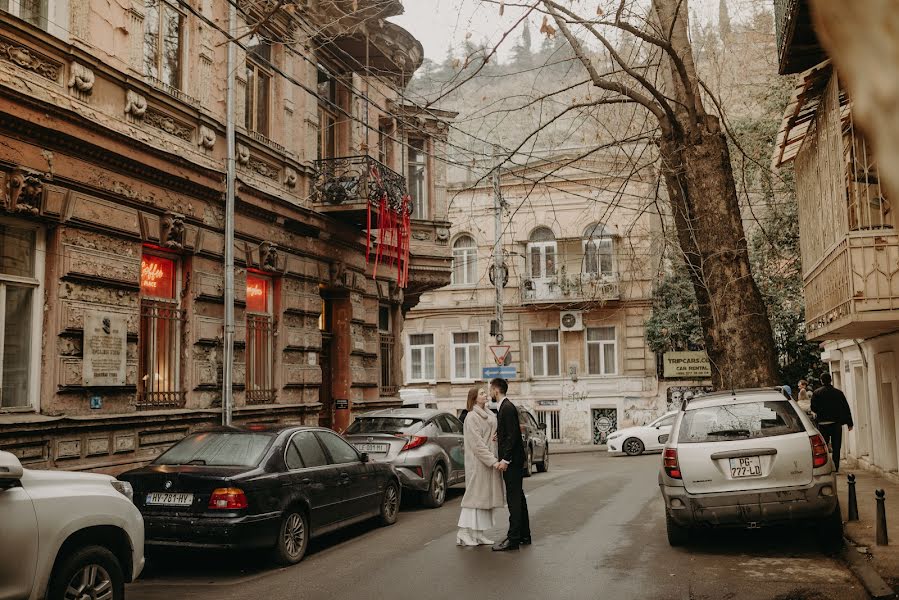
x,y
511,463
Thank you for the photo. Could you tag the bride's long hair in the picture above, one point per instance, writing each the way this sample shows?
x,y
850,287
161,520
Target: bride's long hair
x,y
472,398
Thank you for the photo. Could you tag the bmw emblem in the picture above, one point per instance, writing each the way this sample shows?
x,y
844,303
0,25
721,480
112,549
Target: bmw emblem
x,y
168,484
371,439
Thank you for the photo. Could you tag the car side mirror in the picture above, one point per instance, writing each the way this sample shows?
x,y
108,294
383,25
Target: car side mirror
x,y
542,426
364,457
11,470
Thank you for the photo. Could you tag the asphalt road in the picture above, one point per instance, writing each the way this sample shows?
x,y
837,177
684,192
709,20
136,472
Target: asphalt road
x,y
599,533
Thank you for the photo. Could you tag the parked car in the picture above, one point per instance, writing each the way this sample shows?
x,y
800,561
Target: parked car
x,y
425,445
269,488
66,535
747,458
536,443
634,441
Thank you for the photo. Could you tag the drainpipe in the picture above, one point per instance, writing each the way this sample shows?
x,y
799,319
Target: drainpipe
x,y
230,175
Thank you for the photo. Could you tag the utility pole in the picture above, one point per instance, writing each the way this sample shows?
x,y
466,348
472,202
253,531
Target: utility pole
x,y
230,176
498,269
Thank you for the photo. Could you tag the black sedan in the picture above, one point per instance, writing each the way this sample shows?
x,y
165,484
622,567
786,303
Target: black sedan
x,y
260,487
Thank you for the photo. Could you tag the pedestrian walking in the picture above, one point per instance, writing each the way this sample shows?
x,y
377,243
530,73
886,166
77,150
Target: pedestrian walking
x,y
511,464
483,482
832,410
804,398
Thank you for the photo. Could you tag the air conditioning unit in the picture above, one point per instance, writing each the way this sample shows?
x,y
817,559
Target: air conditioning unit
x,y
571,320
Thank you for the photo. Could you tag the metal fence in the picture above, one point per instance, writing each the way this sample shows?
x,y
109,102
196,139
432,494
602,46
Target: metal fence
x,y
260,388
159,384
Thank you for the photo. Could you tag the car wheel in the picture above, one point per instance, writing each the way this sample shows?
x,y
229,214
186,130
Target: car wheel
x,y
678,535
390,503
543,467
436,494
293,537
89,572
632,447
529,463
830,532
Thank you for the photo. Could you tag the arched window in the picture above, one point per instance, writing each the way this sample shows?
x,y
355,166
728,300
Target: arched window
x,y
465,261
598,250
542,253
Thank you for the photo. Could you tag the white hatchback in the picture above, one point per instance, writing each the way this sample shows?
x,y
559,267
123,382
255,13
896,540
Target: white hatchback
x,y
66,535
747,458
637,440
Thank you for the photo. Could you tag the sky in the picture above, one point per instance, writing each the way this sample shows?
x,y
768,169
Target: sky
x,y
439,24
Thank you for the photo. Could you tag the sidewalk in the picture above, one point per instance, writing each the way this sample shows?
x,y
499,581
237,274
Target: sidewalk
x,y
863,533
556,448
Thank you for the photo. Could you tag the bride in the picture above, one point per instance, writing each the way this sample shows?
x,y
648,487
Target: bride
x,y
484,489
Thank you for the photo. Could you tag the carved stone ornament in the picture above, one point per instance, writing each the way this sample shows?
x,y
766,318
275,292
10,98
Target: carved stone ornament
x,y
421,236
268,256
82,79
135,105
171,231
167,124
26,58
243,155
443,234
290,177
25,192
336,272
207,137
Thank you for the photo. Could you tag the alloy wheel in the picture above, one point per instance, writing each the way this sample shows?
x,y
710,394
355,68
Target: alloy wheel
x,y
91,582
294,534
633,447
439,486
391,502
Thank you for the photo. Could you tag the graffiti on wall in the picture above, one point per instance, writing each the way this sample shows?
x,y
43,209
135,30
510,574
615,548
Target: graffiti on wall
x,y
677,393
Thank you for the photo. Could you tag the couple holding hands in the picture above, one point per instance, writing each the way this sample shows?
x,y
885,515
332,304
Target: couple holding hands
x,y
494,470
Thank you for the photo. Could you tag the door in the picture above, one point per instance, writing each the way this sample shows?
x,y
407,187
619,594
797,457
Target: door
x,y
314,477
662,432
359,486
326,414
452,440
18,551
862,411
605,421
888,458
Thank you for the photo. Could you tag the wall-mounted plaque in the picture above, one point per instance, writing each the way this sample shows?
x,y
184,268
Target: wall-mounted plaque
x,y
105,349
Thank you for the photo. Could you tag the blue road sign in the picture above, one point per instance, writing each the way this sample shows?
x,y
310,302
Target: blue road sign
x,y
504,372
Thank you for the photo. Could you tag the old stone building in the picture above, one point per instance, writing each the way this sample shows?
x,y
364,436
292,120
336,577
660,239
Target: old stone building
x,y
112,182
581,253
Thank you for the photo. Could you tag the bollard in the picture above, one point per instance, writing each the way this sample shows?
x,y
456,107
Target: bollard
x,y
882,538
852,512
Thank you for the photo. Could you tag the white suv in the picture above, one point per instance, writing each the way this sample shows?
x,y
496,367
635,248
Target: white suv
x,y
747,458
66,535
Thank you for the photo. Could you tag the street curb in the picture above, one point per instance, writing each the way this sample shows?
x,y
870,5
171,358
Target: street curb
x,y
557,451
874,584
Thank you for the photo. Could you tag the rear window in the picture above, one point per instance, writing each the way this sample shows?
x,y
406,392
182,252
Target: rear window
x,y
398,425
218,448
749,420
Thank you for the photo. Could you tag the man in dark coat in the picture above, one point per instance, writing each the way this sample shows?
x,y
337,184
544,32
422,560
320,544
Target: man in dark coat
x,y
511,463
832,412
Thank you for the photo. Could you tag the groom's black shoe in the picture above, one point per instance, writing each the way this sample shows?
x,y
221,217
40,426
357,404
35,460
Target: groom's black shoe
x,y
525,541
504,546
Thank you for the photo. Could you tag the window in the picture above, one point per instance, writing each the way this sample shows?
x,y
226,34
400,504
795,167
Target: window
x,y
601,351
259,352
387,341
21,252
449,424
553,423
309,449
417,177
340,451
664,421
163,38
598,251
399,425
160,334
545,352
218,448
35,12
542,253
741,421
421,357
465,261
259,83
466,356
327,114
385,129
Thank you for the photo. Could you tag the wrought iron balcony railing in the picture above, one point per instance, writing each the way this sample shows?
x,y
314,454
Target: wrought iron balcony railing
x,y
352,180
577,287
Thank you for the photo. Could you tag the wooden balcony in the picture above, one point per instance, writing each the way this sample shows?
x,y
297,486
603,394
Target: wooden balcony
x,y
344,186
853,292
798,48
575,288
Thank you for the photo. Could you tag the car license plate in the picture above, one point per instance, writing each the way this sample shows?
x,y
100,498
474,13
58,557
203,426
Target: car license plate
x,y
170,499
745,466
373,448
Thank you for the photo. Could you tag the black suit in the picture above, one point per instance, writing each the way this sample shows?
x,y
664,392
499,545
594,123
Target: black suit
x,y
511,450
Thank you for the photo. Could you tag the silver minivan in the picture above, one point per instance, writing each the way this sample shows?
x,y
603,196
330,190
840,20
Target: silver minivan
x,y
747,458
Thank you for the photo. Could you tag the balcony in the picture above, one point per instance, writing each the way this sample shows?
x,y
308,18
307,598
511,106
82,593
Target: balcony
x,y
853,292
797,44
345,186
579,287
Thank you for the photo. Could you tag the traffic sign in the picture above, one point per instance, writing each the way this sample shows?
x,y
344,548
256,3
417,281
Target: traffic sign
x,y
503,372
499,353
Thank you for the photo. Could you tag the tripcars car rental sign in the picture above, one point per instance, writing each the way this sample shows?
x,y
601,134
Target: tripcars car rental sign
x,y
687,365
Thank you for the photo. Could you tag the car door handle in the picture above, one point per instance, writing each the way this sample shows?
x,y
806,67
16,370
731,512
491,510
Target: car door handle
x,y
344,479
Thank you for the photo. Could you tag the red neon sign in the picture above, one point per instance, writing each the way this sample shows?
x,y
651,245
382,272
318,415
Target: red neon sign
x,y
157,276
257,294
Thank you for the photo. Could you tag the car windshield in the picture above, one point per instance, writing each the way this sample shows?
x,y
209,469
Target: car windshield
x,y
396,425
747,420
218,448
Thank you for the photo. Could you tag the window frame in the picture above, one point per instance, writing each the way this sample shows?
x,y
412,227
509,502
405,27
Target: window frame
x,y
553,425
252,101
596,243
602,357
472,366
14,8
421,209
422,348
36,284
470,255
175,304
265,395
321,447
321,435
545,346
179,84
327,111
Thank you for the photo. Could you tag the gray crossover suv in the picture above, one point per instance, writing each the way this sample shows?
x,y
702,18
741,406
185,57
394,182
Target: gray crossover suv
x,y
425,445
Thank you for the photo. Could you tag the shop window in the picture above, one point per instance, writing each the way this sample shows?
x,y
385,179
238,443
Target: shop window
x,y
159,339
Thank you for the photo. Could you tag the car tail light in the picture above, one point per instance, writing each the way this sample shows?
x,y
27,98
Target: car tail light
x,y
819,451
414,442
669,460
228,499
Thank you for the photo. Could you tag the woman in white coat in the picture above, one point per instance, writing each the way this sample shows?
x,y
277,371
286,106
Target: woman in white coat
x,y
484,490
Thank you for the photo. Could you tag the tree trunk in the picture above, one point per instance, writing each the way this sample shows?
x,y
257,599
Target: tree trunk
x,y
703,196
